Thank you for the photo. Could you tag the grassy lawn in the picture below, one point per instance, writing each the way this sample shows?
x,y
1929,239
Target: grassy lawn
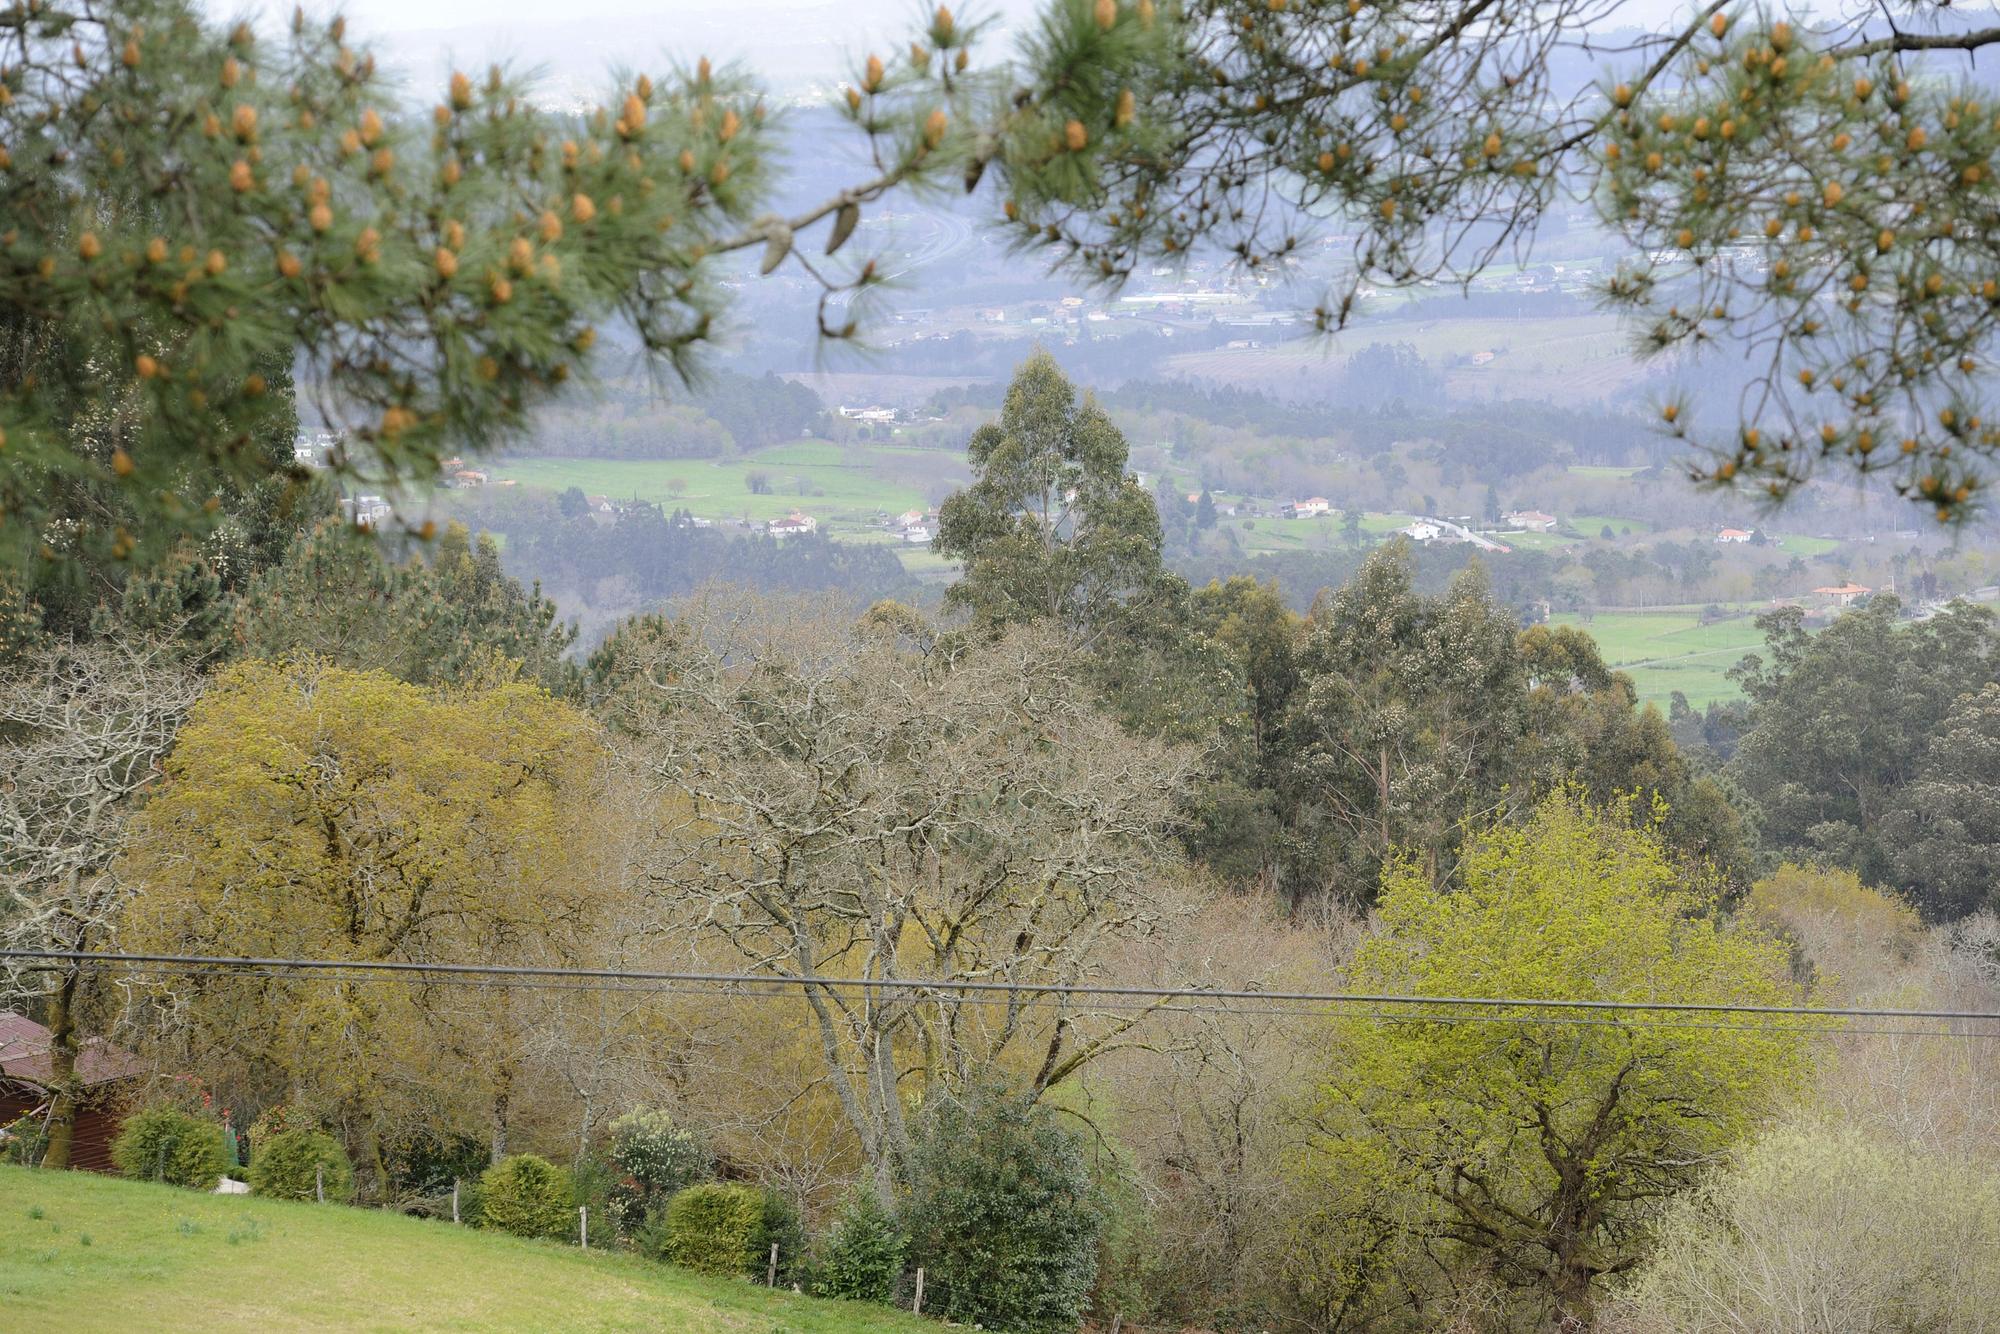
x,y
1667,650
81,1252
847,486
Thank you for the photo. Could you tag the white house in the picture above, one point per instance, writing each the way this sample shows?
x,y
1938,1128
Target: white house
x,y
792,525
910,518
1733,535
1423,530
1533,521
1311,508
365,509
869,414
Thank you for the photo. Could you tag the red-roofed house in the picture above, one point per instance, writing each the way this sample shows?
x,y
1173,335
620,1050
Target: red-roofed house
x,y
1843,594
103,1070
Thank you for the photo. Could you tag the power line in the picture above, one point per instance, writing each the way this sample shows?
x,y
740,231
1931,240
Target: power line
x,y
1276,1011
926,987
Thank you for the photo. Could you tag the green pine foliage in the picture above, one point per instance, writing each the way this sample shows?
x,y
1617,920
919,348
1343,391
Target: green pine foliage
x,y
861,1257
191,211
446,616
1001,1214
162,1144
298,1164
1808,196
528,1196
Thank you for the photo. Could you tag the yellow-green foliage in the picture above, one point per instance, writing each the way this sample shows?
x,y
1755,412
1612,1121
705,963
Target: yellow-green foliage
x,y
1841,926
1821,1227
1531,1150
317,812
302,1165
1792,892
161,1144
729,1229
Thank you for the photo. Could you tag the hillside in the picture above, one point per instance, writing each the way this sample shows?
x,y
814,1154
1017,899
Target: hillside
x,y
81,1252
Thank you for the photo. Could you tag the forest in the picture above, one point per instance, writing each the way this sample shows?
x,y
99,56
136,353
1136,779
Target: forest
x,y
1081,770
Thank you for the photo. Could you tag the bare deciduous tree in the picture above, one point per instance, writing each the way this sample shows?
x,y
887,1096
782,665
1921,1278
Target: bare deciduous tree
x,y
82,731
845,808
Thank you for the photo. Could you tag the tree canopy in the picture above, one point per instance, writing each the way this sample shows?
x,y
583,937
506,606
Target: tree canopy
x,y
320,812
1530,1153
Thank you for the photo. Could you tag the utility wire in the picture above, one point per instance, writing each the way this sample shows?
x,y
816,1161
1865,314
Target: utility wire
x,y
1295,1010
926,987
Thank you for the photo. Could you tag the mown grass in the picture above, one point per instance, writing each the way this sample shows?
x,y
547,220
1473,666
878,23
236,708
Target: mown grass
x,y
83,1253
1665,651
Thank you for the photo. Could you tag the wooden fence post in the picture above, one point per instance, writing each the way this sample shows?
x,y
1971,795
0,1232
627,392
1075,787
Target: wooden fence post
x,y
454,1199
583,1226
319,1181
771,1274
1117,1319
917,1307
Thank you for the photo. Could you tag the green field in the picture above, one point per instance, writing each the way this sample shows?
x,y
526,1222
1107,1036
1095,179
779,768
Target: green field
x,y
1535,541
1267,533
1668,650
1808,547
844,487
84,1253
1590,525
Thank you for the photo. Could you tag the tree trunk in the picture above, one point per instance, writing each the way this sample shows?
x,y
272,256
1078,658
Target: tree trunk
x,y
62,1072
497,1145
1575,1307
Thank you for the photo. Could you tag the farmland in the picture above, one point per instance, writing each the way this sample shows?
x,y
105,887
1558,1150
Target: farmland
x,y
844,487
1669,649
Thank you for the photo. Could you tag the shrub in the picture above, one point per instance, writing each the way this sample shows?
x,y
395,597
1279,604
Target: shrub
x,y
718,1229
1816,1219
161,1144
427,1162
291,1164
24,1141
528,1196
653,1157
1001,1214
863,1255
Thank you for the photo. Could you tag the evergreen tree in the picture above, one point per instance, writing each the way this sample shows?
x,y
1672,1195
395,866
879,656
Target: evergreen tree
x,y
449,616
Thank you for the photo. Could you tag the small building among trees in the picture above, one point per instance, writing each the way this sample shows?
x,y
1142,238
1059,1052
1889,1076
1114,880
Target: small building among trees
x,y
104,1071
